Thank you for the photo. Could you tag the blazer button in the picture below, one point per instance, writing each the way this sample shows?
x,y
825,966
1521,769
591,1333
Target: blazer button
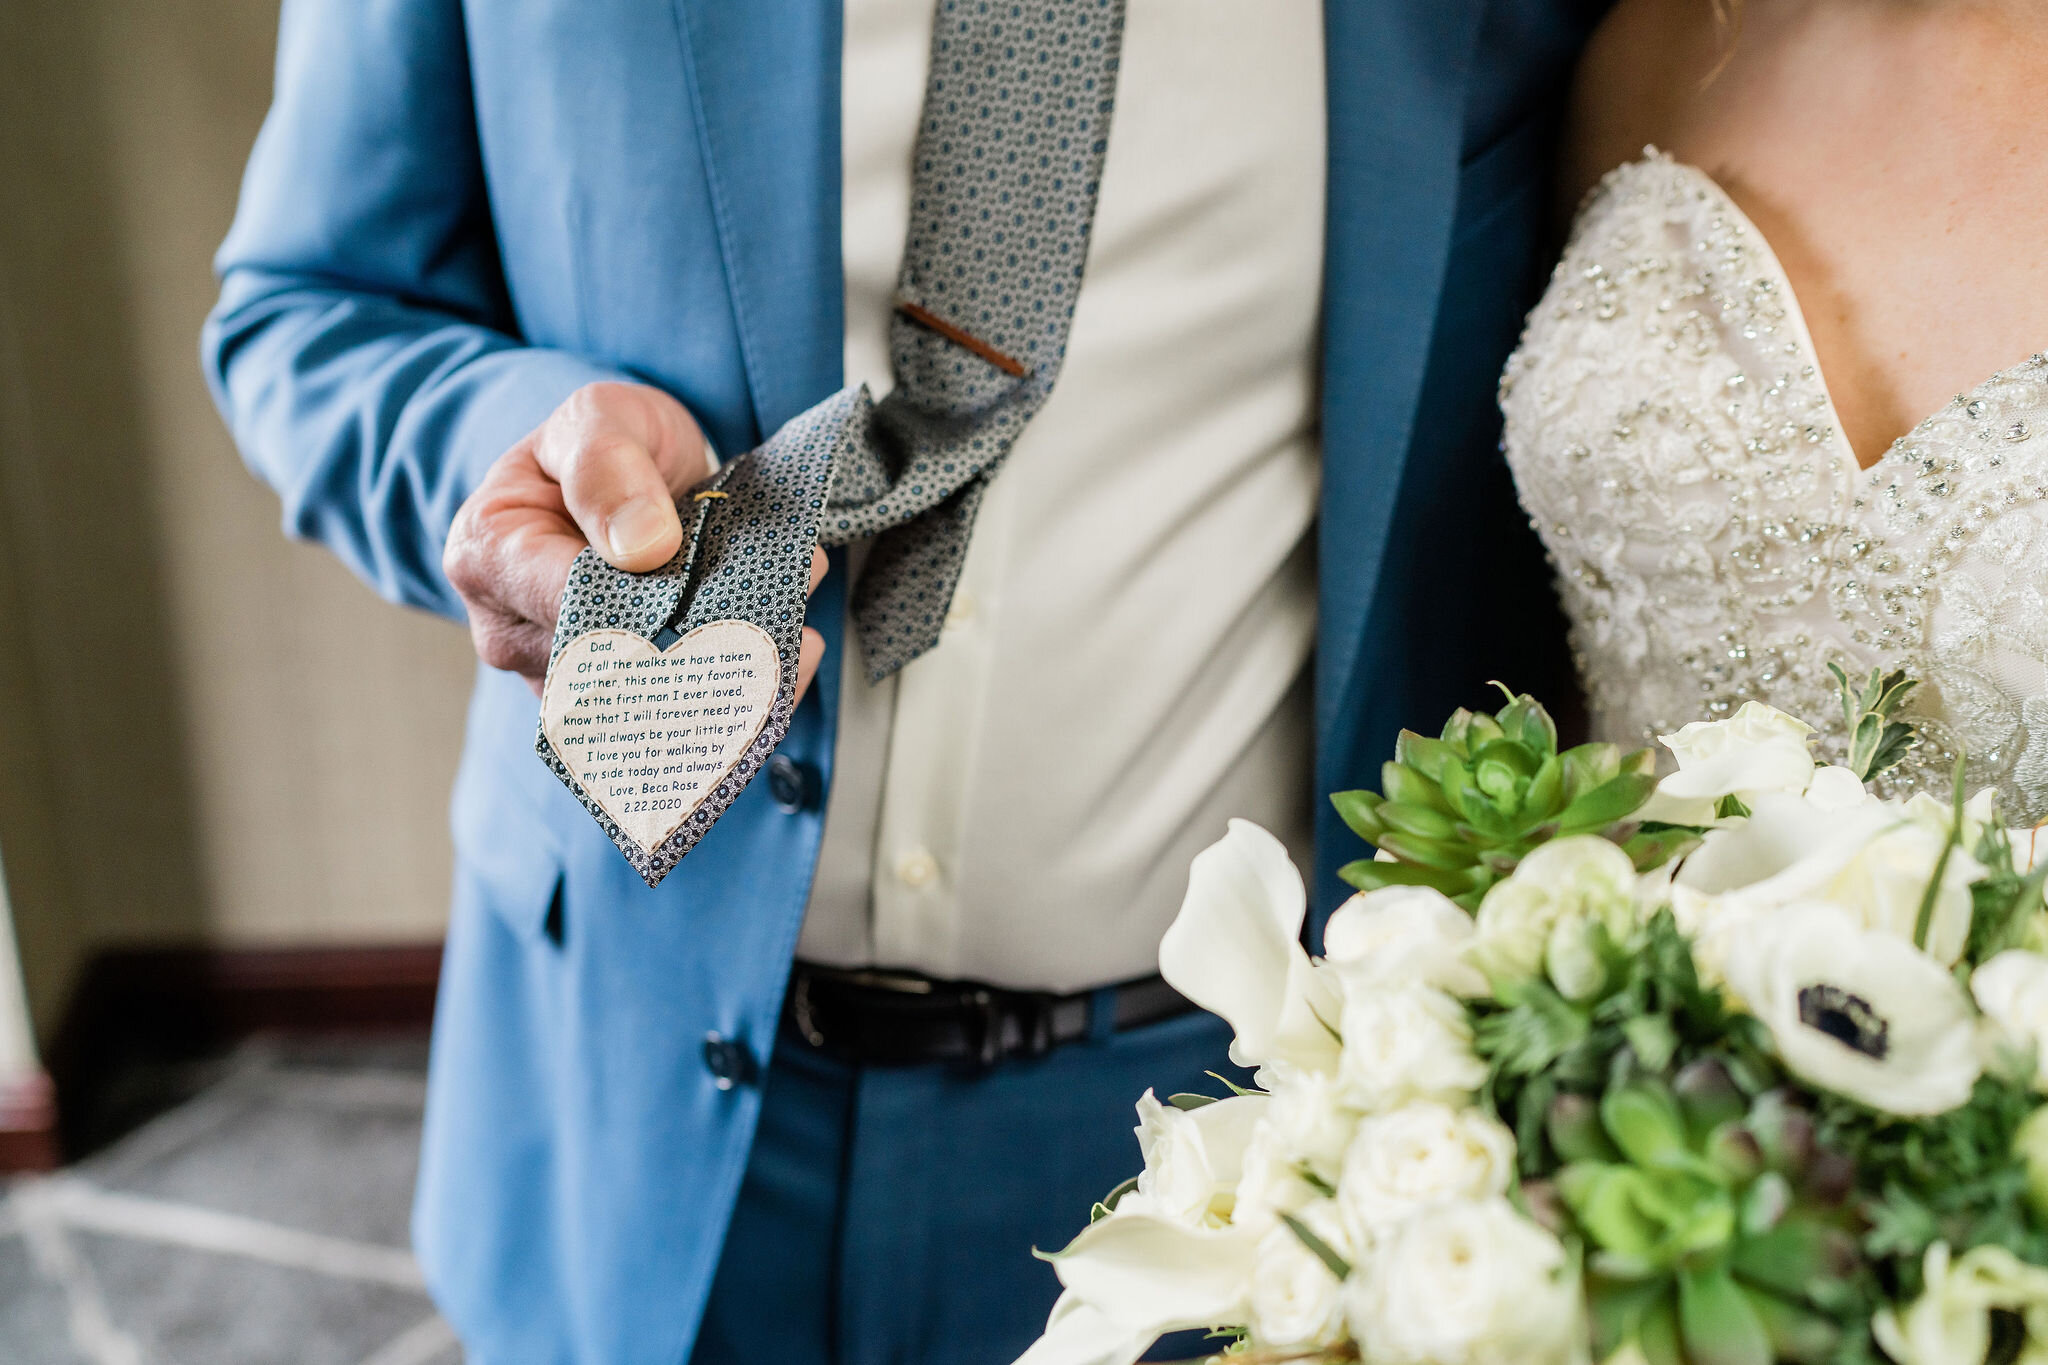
x,y
793,785
728,1061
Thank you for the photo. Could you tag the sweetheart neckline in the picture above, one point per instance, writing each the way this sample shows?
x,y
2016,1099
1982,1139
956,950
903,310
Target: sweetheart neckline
x,y
1795,313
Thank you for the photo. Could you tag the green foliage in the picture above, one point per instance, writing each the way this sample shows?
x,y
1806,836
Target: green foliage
x,y
1311,1177
1925,918
1535,1027
1106,1205
1713,1240
1714,1220
1724,1215
2004,901
1461,811
1955,1177
1877,740
1657,1015
1318,1248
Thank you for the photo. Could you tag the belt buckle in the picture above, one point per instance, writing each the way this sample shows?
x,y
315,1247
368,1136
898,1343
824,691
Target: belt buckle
x,y
989,1013
800,1012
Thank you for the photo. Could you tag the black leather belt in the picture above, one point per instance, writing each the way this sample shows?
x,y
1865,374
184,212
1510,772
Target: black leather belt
x,y
877,1018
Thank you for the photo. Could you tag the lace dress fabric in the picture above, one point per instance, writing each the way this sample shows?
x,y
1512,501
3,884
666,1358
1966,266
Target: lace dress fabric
x,y
1714,540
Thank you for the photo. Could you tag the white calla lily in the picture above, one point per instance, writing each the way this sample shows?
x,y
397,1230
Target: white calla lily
x,y
1077,1334
1874,860
1785,834
1235,950
1151,1275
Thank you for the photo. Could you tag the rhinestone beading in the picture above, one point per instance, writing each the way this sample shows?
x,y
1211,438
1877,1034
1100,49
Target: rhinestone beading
x,y
1713,538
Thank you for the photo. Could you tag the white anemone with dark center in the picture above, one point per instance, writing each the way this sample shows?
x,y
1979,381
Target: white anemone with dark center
x,y
1859,1011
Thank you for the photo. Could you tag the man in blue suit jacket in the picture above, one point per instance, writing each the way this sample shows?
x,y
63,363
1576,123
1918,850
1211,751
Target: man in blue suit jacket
x,y
461,217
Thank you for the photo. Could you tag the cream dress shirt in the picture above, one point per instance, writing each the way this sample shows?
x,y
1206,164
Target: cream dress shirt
x,y
1125,664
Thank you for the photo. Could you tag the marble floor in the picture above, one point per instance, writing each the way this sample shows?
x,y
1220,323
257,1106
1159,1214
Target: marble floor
x,y
260,1222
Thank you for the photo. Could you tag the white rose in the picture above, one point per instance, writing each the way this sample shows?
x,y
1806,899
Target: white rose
x,y
1858,1011
1296,1299
1951,1320
1837,788
1273,1183
1420,1155
1539,918
1306,1127
1403,934
1406,1042
1755,751
1713,925
2012,990
1193,1158
1309,1117
1467,1284
1572,960
1874,860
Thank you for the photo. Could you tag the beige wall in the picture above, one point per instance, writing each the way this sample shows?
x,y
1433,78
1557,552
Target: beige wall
x,y
205,733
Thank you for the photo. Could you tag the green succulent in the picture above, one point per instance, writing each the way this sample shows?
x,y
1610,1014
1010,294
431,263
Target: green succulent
x,y
1717,1227
1460,812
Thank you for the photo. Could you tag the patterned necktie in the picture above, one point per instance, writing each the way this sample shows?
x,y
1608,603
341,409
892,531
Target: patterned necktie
x,y
1008,159
1009,156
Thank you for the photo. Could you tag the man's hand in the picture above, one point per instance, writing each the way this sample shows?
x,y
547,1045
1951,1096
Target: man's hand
x,y
605,469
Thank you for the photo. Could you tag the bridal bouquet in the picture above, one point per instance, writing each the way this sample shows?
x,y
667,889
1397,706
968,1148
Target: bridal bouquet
x,y
1740,1067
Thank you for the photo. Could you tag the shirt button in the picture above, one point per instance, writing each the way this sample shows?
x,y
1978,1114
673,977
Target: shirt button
x,y
793,785
963,609
728,1061
917,868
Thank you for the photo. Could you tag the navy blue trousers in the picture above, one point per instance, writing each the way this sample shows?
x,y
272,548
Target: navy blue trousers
x,y
888,1215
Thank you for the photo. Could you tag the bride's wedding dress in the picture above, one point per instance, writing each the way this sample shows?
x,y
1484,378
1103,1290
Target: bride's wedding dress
x,y
1714,539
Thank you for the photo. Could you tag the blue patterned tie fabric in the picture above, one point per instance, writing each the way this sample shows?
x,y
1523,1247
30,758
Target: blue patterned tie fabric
x,y
1007,164
1009,157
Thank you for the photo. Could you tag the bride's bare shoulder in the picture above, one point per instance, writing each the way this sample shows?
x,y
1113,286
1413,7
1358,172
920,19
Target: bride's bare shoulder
x,y
1647,60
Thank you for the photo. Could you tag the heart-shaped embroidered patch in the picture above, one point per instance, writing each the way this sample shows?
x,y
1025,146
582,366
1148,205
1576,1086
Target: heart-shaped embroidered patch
x,y
648,733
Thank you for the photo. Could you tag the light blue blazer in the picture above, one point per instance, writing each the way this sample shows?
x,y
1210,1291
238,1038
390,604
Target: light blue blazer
x,y
458,212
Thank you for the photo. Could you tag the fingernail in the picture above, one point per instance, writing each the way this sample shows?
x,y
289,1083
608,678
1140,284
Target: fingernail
x,y
636,527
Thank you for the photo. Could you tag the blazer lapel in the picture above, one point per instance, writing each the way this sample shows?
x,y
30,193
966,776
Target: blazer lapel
x,y
1397,78
764,86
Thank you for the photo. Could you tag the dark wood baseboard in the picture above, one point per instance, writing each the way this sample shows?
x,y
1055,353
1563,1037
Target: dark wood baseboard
x,y
156,1006
28,1126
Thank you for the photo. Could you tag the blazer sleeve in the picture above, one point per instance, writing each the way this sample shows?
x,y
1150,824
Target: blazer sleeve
x,y
364,351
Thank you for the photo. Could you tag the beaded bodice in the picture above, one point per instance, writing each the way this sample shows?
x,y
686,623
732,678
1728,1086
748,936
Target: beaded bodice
x,y
1714,540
